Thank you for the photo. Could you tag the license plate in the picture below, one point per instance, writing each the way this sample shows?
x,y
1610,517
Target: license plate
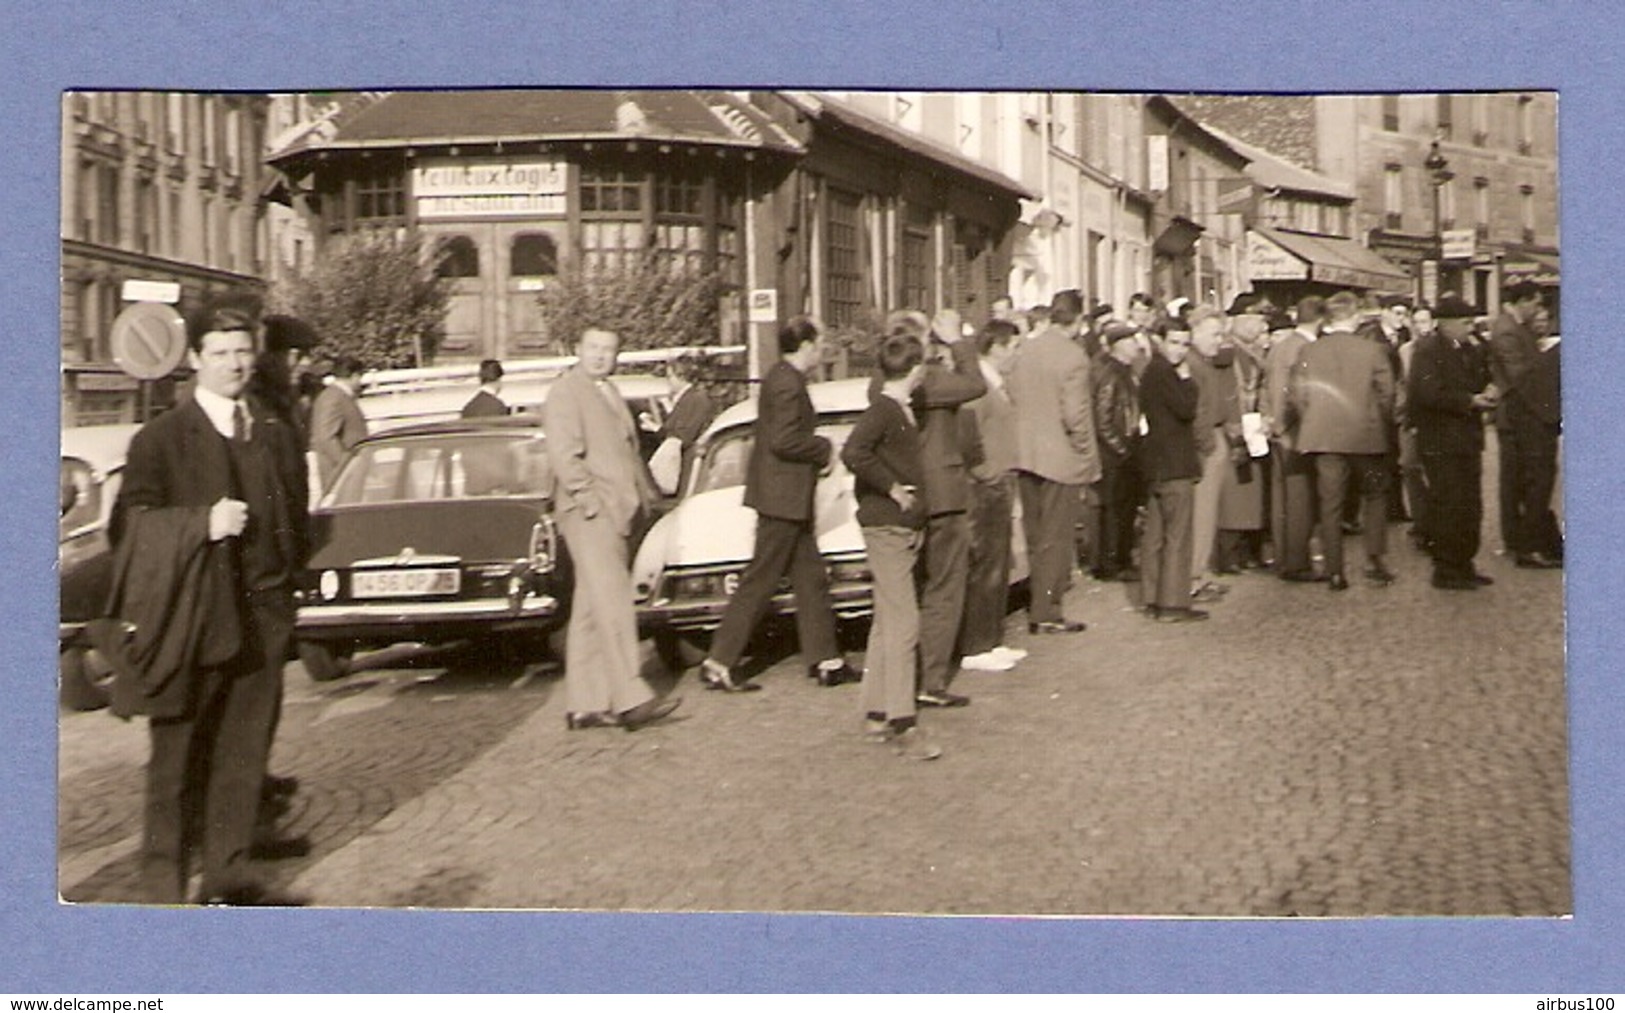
x,y
404,583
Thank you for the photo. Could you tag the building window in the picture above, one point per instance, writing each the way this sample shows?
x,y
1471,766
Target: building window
x,y
107,197
380,199
1526,211
234,127
729,210
916,266
611,191
1393,196
1526,124
534,255
146,214
843,264
209,129
457,257
1481,207
1390,112
612,217
1447,204
175,122
1481,119
1445,118
175,250
679,234
207,206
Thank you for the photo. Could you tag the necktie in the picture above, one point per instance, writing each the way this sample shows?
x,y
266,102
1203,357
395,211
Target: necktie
x,y
239,422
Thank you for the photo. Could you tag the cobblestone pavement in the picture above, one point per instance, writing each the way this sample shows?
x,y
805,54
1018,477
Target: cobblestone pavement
x,y
1384,751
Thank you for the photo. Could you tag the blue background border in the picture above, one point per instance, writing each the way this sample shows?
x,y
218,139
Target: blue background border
x,y
1144,46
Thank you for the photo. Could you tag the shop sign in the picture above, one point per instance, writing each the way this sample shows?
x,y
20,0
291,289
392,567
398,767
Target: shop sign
x,y
490,187
1332,274
1267,261
105,382
141,290
1513,271
1457,244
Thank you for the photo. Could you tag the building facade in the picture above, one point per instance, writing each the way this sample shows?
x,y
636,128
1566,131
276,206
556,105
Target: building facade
x,y
1487,201
801,203
157,187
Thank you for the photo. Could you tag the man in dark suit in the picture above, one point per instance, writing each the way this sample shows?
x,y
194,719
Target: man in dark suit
x,y
1528,445
785,461
1445,402
220,481
1168,459
336,422
487,402
1056,455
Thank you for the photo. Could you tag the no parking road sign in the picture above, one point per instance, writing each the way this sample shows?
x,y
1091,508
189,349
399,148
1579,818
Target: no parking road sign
x,y
148,340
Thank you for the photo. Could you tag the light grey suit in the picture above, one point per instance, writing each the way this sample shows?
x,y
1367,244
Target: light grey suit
x,y
599,488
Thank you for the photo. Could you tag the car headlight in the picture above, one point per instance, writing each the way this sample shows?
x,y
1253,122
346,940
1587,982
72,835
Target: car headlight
x,y
329,584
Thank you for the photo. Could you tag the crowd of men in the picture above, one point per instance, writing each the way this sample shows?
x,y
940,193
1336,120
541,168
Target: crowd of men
x,y
1185,442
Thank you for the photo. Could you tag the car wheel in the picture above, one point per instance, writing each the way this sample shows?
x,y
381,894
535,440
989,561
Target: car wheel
x,y
324,661
678,651
86,677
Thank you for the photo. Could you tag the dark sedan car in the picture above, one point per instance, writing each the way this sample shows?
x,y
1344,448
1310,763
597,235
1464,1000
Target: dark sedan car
x,y
433,533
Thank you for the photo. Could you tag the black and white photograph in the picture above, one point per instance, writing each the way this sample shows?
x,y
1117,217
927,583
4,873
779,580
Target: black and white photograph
x,y
853,502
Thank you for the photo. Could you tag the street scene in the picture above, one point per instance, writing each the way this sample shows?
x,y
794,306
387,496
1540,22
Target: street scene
x,y
1032,504
1293,757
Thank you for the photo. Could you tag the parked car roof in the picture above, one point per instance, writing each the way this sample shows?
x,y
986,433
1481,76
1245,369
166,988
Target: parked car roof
x,y
830,397
393,410
101,447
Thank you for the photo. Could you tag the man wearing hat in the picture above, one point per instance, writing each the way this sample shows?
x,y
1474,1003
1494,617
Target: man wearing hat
x,y
1447,393
1117,433
1292,475
1528,445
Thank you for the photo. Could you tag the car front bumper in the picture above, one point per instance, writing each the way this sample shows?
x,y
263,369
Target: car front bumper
x,y
400,620
848,601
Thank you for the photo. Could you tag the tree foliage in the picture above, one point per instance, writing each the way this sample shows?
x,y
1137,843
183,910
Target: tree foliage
x,y
373,295
650,302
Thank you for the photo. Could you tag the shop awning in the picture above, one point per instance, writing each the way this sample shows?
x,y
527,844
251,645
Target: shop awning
x,y
1279,255
1540,268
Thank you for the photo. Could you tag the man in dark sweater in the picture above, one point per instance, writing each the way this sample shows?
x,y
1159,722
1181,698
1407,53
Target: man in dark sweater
x,y
1168,399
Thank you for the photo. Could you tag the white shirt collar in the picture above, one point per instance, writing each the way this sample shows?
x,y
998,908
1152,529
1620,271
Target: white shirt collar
x,y
218,408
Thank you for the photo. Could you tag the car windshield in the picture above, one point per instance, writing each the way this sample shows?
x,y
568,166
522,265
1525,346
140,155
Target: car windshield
x,y
451,467
728,456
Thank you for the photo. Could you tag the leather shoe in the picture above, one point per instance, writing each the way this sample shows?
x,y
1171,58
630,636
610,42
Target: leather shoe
x,y
719,677
278,787
1376,573
1455,583
591,719
1181,615
252,894
1304,577
941,698
1538,561
274,849
1482,580
1056,626
648,712
834,676
1338,582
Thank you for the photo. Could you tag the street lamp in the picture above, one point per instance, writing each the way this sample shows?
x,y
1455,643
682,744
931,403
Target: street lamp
x,y
1438,169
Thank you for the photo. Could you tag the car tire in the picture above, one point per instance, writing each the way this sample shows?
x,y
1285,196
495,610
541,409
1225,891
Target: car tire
x,y
678,651
325,661
86,679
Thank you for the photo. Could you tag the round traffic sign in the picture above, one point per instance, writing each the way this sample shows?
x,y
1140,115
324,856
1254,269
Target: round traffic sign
x,y
149,340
